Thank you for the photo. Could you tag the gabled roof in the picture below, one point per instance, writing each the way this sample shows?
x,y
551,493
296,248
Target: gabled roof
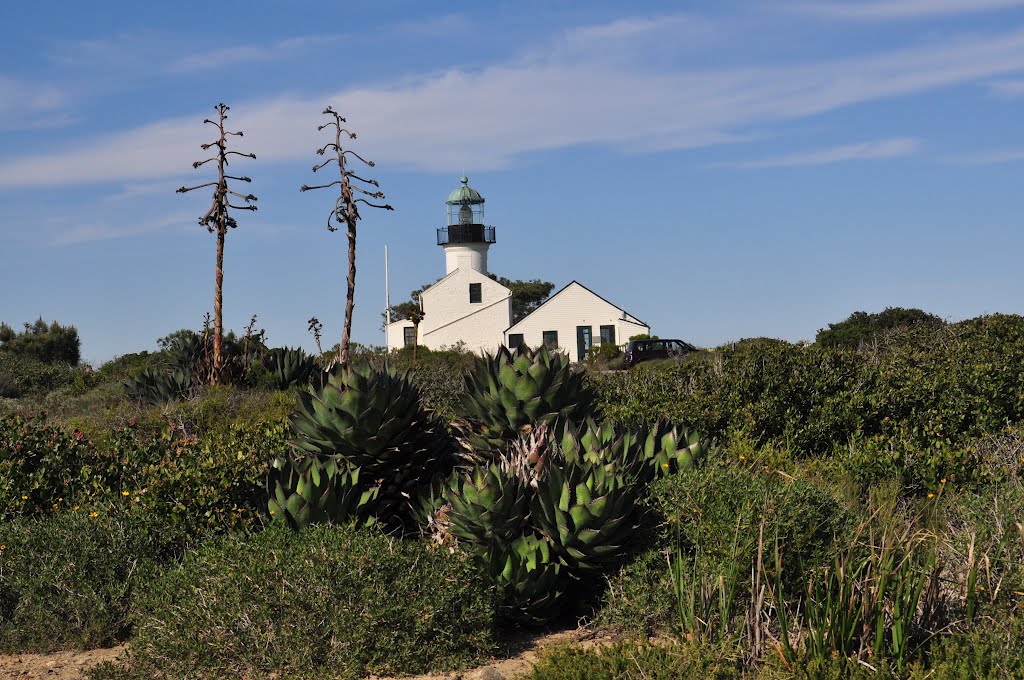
x,y
563,289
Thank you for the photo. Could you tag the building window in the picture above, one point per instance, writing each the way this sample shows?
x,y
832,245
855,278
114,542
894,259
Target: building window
x,y
607,335
551,339
515,340
474,293
409,335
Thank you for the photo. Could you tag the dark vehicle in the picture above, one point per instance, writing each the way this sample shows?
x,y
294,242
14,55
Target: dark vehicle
x,y
645,350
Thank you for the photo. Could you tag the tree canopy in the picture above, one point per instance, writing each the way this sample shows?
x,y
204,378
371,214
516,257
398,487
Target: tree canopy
x,y
862,327
50,343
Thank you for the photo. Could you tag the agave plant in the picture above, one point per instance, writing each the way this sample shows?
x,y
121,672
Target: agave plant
x,y
514,391
669,449
155,386
288,367
539,515
315,490
370,420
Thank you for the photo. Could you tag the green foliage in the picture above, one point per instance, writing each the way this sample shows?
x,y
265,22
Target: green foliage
x,y
629,660
326,601
39,465
68,581
922,391
516,389
860,327
22,375
49,343
288,367
376,450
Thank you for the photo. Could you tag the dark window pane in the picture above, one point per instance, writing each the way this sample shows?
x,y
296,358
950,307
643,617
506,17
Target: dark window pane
x,y
607,335
474,293
409,335
515,340
551,339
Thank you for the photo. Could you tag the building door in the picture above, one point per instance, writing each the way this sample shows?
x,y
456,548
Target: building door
x,y
584,341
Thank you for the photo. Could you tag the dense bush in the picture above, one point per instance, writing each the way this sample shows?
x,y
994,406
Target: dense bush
x,y
925,393
68,580
324,601
25,375
860,327
714,517
49,343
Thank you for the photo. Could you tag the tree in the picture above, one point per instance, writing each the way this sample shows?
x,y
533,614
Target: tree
x,y
218,220
49,343
526,297
346,211
861,327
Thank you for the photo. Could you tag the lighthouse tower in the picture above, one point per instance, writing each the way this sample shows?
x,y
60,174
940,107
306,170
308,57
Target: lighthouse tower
x,y
466,239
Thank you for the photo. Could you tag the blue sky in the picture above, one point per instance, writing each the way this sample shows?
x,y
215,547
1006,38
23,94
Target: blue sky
x,y
720,169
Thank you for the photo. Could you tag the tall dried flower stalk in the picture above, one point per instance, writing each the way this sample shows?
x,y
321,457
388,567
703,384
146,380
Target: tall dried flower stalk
x,y
346,211
218,220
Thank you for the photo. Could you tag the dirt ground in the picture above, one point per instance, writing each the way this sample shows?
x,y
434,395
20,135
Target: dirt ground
x,y
522,655
55,666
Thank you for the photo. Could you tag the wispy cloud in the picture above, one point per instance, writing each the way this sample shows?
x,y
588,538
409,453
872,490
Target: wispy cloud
x,y
1007,89
63,232
996,157
25,105
864,151
874,10
538,105
243,54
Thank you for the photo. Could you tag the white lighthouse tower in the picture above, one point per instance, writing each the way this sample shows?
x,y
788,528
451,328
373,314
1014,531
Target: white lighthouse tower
x,y
466,238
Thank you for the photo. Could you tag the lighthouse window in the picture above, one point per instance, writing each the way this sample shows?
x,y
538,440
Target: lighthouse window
x,y
474,293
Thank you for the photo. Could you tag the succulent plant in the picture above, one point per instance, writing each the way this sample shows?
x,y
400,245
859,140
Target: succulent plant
x,y
488,505
669,449
531,577
514,391
288,367
370,419
316,490
155,386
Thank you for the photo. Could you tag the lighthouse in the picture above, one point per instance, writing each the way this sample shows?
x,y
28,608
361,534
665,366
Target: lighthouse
x,y
466,238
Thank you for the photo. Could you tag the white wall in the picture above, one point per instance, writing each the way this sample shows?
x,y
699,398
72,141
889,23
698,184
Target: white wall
x,y
466,256
575,306
450,318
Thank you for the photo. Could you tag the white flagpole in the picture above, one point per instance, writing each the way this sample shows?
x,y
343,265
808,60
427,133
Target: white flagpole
x,y
387,297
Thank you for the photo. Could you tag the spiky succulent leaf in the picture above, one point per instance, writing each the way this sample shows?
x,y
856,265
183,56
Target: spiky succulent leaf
x,y
533,580
155,386
488,506
669,449
513,391
288,367
315,490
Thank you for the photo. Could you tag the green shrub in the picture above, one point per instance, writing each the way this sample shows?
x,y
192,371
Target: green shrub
x,y
48,343
27,376
324,601
39,465
635,661
67,581
639,599
861,327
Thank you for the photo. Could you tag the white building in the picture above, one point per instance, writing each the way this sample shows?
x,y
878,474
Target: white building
x,y
467,306
575,319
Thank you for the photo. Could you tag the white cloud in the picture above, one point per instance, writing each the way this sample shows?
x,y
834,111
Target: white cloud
x,y
874,150
873,10
487,118
26,105
242,54
63,232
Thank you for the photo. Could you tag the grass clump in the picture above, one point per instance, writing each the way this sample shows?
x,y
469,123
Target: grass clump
x,y
67,581
324,601
632,660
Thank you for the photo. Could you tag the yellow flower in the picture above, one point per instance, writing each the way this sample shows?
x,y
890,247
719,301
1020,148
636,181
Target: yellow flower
x,y
126,493
3,547
931,495
94,514
664,465
76,507
61,500
24,498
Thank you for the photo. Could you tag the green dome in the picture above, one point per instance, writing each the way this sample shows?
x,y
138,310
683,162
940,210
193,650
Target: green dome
x,y
465,194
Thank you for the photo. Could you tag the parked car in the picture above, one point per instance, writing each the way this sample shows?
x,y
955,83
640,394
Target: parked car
x,y
645,350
